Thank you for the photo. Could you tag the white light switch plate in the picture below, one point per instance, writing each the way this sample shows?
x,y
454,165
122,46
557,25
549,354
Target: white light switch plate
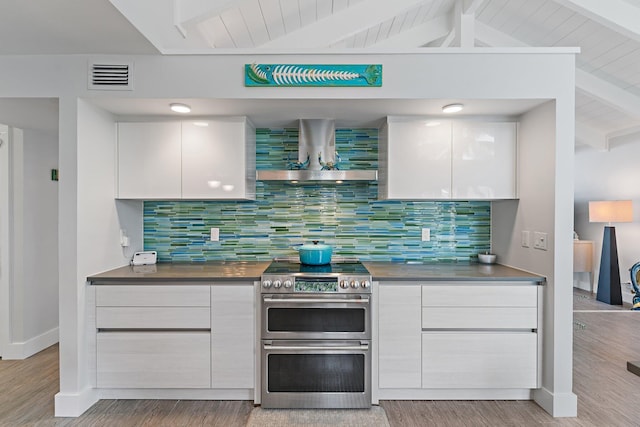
x,y
215,235
426,234
526,239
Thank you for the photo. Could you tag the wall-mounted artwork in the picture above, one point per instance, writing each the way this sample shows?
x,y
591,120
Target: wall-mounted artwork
x,y
345,75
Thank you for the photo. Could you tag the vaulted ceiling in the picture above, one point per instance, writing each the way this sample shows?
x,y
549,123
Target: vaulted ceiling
x,y
607,32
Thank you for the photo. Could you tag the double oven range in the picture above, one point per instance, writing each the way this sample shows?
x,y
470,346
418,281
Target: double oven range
x,y
315,335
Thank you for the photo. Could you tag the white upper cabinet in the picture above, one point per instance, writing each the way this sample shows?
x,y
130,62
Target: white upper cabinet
x,y
216,159
415,159
147,166
427,159
484,160
180,160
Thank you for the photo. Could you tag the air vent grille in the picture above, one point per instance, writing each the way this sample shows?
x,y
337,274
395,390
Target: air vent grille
x,y
104,76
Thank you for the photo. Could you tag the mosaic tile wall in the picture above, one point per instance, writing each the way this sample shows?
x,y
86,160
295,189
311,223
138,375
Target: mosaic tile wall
x,y
348,217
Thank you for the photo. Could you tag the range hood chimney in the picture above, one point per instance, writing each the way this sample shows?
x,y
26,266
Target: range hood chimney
x,y
316,149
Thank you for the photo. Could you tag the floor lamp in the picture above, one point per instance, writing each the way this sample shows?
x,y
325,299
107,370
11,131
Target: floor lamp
x,y
609,211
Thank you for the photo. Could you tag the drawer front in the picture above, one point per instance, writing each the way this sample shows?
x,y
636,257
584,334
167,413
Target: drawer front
x,y
151,295
479,318
153,317
154,360
479,360
480,296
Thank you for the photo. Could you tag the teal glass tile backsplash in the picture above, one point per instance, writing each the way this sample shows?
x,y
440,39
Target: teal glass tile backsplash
x,y
348,216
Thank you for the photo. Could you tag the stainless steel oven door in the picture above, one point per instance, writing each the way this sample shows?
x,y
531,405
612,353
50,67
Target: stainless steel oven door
x,y
316,374
316,316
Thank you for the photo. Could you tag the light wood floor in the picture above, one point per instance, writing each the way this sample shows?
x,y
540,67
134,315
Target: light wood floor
x,y
605,338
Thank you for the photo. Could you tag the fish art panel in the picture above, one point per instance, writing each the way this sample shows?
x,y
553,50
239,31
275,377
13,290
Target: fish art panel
x,y
287,75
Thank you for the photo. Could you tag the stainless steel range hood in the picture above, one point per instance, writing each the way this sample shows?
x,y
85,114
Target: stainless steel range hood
x,y
316,144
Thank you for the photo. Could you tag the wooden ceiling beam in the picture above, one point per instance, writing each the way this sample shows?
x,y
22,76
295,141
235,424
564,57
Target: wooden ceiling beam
x,y
588,135
608,93
592,86
419,35
618,15
341,25
189,12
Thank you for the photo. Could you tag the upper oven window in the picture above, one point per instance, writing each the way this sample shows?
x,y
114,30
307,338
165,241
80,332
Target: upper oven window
x,y
316,319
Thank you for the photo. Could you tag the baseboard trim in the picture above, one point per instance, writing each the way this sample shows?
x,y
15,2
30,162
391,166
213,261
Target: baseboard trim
x,y
75,404
178,394
453,394
22,350
557,404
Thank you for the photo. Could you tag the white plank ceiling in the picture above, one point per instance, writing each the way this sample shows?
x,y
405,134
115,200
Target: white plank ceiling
x,y
607,32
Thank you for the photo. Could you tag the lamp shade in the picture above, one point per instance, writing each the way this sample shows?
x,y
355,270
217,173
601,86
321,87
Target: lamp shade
x,y
611,211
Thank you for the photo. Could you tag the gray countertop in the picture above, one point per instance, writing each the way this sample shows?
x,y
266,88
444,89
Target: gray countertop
x,y
447,272
249,271
176,271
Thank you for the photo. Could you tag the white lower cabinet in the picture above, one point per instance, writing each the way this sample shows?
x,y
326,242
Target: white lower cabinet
x,y
175,336
153,336
153,359
457,336
232,336
479,360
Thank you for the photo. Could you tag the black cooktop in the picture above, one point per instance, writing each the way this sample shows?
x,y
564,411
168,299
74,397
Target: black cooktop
x,y
286,267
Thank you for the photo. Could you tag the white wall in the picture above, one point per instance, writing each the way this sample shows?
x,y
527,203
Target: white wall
x,y
545,191
30,278
93,241
5,224
40,234
87,203
609,175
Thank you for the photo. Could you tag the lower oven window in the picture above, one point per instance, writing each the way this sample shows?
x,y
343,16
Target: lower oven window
x,y
316,319
316,373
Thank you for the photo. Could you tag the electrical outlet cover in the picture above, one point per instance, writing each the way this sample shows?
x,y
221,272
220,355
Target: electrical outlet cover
x,y
540,240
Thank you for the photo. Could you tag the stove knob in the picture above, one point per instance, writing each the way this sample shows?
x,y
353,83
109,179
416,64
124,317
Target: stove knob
x,y
344,284
355,284
365,284
287,284
277,284
266,284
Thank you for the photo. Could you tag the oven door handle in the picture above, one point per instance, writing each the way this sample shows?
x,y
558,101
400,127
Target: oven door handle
x,y
363,346
363,300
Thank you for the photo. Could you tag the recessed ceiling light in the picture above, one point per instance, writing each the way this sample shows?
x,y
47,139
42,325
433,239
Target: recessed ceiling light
x,y
452,108
180,108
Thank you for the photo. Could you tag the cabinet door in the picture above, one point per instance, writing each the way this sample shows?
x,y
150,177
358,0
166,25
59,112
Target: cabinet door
x,y
154,359
232,336
149,160
479,360
418,156
215,159
399,332
484,160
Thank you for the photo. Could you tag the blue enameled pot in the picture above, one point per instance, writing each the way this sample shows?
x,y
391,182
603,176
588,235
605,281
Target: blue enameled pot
x,y
315,254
